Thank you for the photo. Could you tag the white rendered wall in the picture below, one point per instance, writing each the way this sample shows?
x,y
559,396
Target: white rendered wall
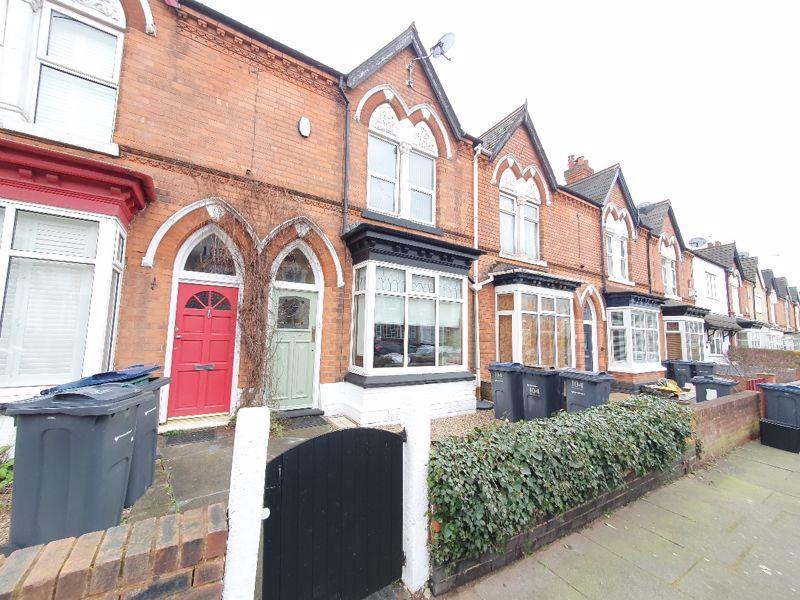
x,y
718,305
384,405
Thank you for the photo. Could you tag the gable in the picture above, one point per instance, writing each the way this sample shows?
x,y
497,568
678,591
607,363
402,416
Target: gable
x,y
407,46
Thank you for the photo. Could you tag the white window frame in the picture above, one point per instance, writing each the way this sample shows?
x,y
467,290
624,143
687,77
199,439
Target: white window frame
x,y
716,343
369,320
517,351
403,187
669,273
736,303
711,285
521,202
109,258
690,329
617,251
39,58
759,302
629,365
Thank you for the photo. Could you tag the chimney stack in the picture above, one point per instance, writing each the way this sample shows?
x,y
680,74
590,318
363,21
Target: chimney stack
x,y
577,168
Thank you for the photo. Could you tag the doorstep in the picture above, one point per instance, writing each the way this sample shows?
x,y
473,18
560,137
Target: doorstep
x,y
189,423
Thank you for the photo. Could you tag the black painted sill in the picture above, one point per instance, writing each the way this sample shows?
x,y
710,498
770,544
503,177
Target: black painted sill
x,y
376,216
375,381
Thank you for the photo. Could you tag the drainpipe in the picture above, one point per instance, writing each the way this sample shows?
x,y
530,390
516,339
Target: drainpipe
x,y
476,324
603,251
346,182
649,266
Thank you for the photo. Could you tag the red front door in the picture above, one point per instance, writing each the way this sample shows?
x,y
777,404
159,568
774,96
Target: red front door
x,y
203,348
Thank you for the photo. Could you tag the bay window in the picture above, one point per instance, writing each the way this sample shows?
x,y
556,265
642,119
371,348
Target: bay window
x,y
534,326
519,217
401,165
634,339
692,334
407,320
60,273
617,250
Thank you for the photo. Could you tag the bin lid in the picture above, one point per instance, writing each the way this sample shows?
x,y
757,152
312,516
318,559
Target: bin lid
x,y
592,376
126,374
713,380
88,401
504,366
790,388
540,371
702,363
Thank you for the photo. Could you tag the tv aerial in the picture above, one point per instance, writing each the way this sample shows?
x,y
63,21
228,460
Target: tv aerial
x,y
439,49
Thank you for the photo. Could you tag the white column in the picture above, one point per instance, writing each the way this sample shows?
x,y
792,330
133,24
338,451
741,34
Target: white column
x,y
246,503
417,423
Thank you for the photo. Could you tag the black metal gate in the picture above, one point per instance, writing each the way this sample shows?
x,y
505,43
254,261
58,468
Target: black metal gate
x,y
336,512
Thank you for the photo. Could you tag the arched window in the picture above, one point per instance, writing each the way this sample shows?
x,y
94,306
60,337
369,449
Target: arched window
x,y
210,255
401,162
617,248
295,268
669,269
70,59
519,216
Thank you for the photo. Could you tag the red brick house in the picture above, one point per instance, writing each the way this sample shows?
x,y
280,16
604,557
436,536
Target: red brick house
x,y
153,152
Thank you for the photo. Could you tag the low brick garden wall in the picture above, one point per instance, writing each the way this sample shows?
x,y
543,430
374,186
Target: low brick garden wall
x,y
724,423
447,577
175,556
720,425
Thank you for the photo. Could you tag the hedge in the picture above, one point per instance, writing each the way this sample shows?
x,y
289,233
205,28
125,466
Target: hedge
x,y
502,479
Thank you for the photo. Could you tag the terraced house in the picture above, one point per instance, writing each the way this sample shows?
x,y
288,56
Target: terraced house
x,y
167,173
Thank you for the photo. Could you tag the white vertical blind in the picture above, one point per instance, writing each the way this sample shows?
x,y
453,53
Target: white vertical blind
x,y
81,47
72,105
44,323
37,232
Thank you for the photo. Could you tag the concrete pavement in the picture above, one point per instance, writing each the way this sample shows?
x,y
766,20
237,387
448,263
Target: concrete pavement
x,y
730,531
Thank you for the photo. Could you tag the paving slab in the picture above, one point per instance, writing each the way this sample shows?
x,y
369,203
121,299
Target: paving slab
x,y
731,531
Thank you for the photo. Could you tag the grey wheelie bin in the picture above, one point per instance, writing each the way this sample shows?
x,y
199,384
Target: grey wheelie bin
x,y
507,390
782,403
144,444
541,393
700,368
680,371
584,389
72,461
709,387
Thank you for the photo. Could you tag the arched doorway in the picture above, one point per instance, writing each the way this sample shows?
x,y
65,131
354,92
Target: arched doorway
x,y
589,337
202,348
295,347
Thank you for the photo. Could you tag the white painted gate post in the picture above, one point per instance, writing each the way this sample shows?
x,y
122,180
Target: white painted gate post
x,y
417,423
246,511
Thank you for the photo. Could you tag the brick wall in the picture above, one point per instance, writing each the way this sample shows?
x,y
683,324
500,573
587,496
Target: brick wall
x,y
725,423
175,556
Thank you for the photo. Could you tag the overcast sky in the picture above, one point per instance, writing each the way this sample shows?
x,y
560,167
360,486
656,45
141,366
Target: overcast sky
x,y
698,100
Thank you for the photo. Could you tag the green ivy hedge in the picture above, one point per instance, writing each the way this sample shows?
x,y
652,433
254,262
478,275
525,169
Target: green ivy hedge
x,y
502,479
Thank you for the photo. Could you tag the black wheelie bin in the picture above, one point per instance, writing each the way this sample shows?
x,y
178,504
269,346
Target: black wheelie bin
x,y
710,387
541,393
506,390
584,389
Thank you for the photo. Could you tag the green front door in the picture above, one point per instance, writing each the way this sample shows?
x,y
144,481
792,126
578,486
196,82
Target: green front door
x,y
294,349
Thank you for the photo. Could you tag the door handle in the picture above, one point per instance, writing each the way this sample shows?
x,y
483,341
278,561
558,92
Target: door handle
x,y
204,367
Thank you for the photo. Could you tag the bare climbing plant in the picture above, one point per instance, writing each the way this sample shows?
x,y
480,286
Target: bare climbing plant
x,y
258,376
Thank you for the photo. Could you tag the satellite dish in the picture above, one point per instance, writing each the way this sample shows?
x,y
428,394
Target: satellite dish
x,y
443,45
